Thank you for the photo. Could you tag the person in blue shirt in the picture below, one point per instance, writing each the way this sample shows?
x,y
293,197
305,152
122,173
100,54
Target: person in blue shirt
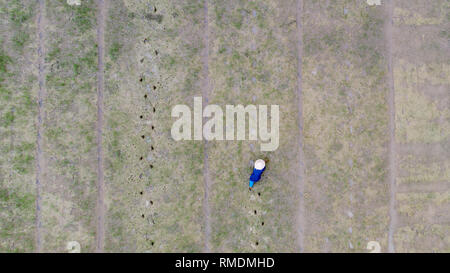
x,y
259,168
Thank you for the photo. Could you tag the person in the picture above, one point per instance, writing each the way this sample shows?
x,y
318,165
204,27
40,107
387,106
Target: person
x,y
259,168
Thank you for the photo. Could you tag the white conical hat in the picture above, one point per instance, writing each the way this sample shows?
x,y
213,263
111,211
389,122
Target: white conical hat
x,y
260,164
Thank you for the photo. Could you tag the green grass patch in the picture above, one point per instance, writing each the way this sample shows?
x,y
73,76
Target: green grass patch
x,y
19,40
114,51
18,14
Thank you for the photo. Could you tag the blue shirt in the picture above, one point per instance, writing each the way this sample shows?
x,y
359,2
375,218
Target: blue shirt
x,y
256,176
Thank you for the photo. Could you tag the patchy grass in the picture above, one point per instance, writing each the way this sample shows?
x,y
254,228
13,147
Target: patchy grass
x,y
430,124
17,132
68,188
421,79
267,79
344,110
155,187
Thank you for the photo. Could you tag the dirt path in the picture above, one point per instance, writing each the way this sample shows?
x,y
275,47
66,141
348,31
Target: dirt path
x,y
205,92
392,145
100,213
301,157
41,94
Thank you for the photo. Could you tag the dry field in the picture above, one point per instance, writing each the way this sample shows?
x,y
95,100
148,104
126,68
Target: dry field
x,y
86,152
